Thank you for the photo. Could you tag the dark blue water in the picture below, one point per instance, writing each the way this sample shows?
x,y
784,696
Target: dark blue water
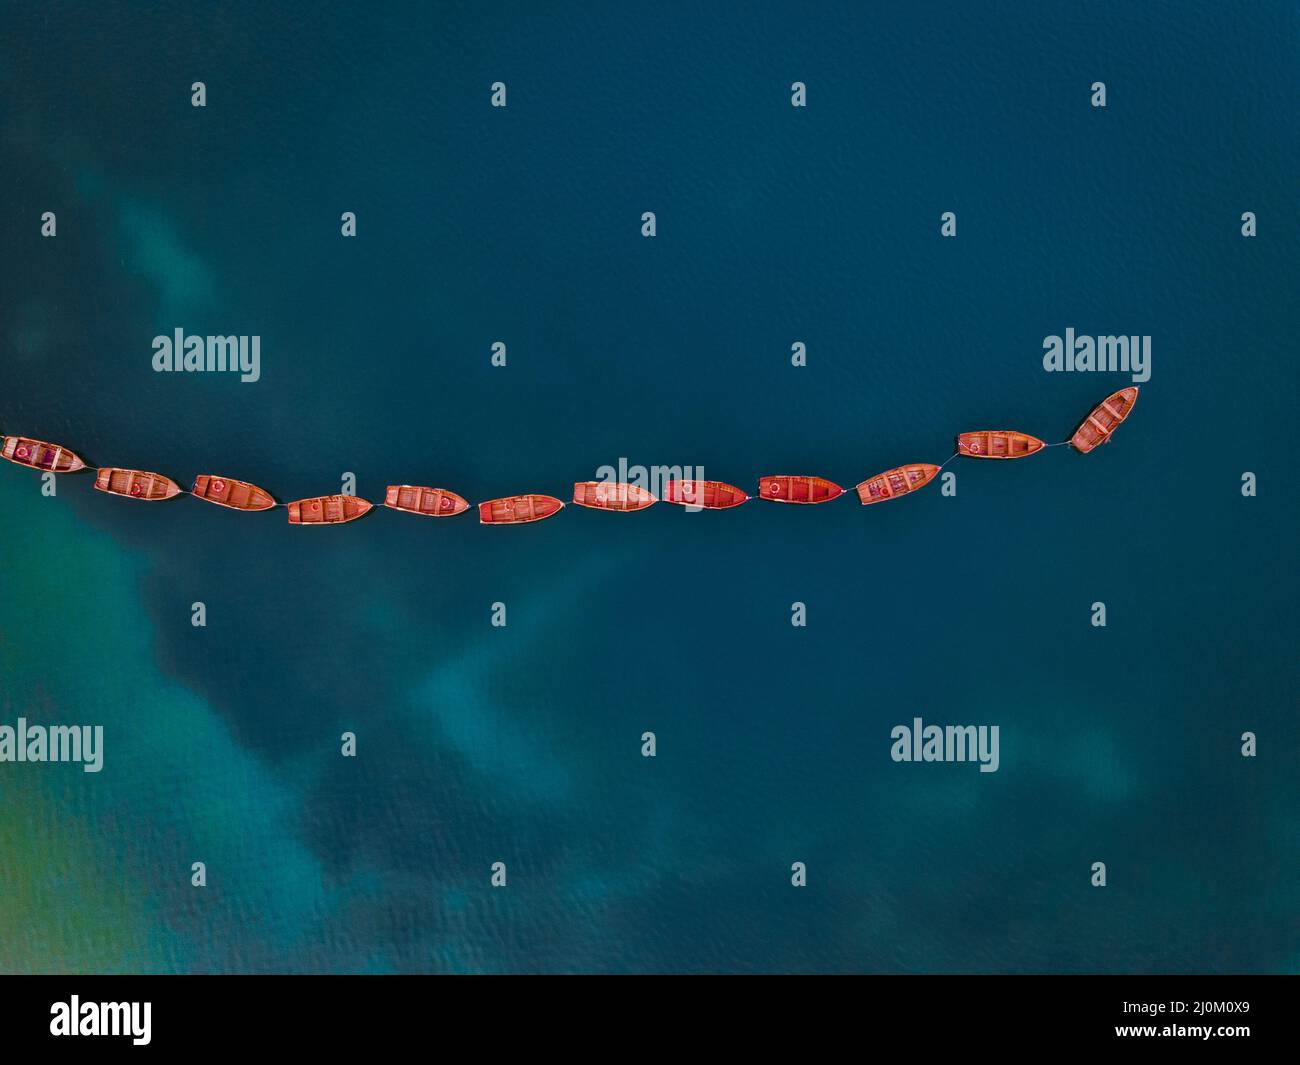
x,y
522,744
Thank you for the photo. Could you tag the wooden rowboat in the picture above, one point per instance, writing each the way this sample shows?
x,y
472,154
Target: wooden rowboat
x,y
798,489
430,502
998,444
612,495
896,482
40,456
517,510
327,510
227,492
1104,420
711,495
136,484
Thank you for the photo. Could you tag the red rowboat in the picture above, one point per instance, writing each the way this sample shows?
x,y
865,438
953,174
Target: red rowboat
x,y
226,492
998,444
431,502
1104,420
327,510
40,456
611,495
136,484
798,489
711,495
896,482
516,510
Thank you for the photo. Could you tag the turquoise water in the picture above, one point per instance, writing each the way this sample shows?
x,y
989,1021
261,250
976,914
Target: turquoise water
x,y
522,744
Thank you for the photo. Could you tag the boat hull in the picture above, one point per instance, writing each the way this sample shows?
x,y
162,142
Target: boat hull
x,y
518,510
39,455
711,495
797,489
327,510
998,444
136,484
896,482
612,495
227,492
428,502
1104,419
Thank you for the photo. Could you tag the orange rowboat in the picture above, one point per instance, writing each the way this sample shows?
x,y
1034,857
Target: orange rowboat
x,y
612,495
711,495
430,502
798,489
998,444
225,492
517,510
327,510
896,482
136,484
1104,420
40,456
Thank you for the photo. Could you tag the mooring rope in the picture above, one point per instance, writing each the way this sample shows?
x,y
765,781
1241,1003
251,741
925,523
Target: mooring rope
x,y
383,504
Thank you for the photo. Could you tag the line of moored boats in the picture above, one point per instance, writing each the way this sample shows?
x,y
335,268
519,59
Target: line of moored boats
x,y
598,495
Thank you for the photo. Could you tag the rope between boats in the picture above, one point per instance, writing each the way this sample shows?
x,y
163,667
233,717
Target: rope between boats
x,y
97,470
